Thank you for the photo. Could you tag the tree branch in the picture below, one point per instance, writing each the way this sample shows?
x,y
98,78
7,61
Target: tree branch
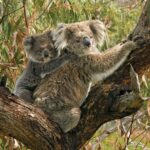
x,y
28,124
25,15
111,100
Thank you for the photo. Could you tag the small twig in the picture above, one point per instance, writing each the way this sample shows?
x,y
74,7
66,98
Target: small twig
x,y
128,134
1,20
130,129
4,10
137,136
139,142
95,9
44,10
25,15
129,126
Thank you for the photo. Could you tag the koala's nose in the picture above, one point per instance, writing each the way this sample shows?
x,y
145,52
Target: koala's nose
x,y
46,54
86,41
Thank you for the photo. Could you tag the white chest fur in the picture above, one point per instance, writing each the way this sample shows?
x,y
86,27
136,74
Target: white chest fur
x,y
108,71
87,93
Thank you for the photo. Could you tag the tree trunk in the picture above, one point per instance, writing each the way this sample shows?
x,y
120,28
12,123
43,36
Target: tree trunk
x,y
102,104
108,101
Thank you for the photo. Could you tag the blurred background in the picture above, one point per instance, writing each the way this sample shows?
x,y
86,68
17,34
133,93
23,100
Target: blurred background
x,y
20,18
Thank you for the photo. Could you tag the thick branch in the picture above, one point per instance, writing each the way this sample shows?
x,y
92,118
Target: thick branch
x,y
102,104
28,124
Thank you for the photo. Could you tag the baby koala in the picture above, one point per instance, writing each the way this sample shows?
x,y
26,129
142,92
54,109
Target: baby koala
x,y
41,54
40,48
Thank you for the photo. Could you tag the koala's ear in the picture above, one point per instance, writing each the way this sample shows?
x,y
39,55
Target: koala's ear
x,y
58,31
59,37
99,30
28,42
49,33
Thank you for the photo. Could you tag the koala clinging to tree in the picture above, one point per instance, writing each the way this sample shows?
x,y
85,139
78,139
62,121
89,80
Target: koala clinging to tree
x,y
41,53
61,93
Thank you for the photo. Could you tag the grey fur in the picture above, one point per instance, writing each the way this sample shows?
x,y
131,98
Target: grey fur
x,y
41,54
32,75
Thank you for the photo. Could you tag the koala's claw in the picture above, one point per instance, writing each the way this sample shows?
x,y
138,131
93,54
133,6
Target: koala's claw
x,y
140,41
124,41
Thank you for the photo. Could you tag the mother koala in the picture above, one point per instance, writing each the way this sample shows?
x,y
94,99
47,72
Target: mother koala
x,y
61,93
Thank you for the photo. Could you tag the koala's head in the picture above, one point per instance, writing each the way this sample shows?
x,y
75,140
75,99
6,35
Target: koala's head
x,y
40,48
80,38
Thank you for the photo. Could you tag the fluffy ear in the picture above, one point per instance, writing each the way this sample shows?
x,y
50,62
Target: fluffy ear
x,y
57,31
28,42
99,30
59,37
61,25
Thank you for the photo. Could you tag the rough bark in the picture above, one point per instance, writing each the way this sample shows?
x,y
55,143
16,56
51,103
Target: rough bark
x,y
28,124
102,104
105,102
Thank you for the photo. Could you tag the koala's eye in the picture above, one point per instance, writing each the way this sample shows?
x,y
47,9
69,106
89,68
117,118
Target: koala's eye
x,y
77,40
46,53
39,52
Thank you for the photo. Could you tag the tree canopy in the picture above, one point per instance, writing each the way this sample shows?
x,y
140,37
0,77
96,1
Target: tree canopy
x,y
21,18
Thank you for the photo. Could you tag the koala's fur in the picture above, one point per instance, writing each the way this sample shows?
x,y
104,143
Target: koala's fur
x,y
61,93
41,53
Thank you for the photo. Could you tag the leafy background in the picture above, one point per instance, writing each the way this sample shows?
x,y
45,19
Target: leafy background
x,y
20,18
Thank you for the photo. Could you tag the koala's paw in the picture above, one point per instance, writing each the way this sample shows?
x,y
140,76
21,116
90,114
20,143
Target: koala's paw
x,y
140,42
71,119
124,41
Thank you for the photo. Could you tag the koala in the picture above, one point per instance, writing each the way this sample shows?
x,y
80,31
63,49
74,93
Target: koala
x,y
42,55
61,93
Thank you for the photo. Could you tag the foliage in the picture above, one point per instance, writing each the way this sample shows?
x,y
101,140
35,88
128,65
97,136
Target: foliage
x,y
21,18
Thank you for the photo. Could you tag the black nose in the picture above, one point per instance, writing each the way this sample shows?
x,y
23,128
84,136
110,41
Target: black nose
x,y
46,54
86,41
